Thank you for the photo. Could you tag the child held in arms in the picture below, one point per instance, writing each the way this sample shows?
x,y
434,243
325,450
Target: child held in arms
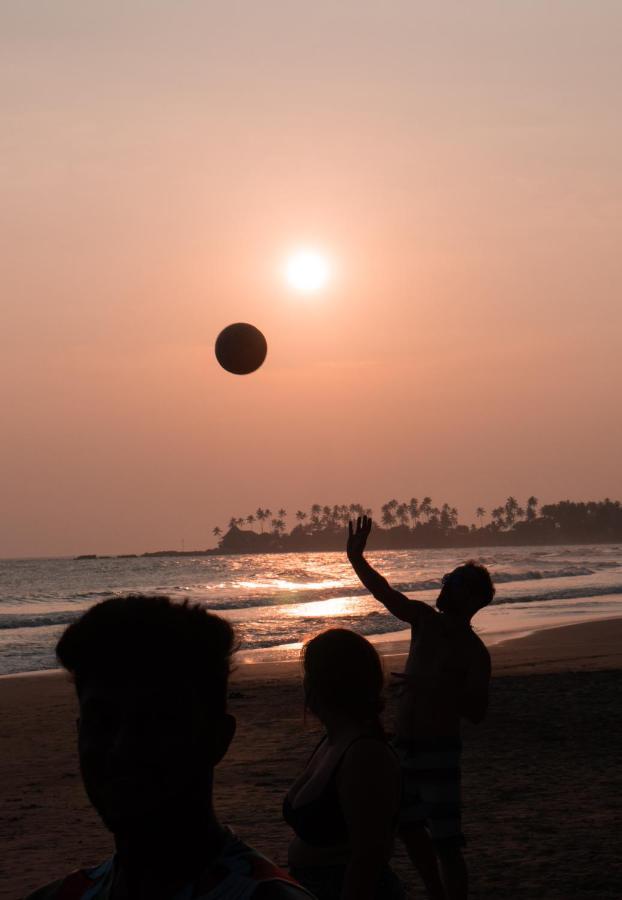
x,y
446,677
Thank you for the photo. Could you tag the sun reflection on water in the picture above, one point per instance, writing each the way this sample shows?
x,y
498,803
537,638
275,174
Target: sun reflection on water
x,y
337,606
284,585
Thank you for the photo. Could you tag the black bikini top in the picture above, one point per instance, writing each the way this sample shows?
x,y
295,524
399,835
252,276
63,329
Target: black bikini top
x,y
321,822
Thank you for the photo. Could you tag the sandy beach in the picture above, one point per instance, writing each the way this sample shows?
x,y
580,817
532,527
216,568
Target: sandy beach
x,y
542,780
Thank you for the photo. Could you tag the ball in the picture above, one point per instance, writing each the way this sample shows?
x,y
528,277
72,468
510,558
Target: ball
x,y
241,348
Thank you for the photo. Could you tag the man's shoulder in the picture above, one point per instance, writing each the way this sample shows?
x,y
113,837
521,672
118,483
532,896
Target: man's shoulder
x,y
428,617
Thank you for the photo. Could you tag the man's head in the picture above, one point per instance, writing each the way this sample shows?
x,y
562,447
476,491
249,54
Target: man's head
x,y
151,678
466,590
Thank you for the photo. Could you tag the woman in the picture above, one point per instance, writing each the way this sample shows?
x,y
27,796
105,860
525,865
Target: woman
x,y
343,807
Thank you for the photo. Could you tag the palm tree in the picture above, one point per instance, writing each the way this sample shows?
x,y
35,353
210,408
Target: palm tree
x,y
216,531
453,516
413,510
532,506
278,525
480,512
282,514
388,518
233,522
250,519
301,516
511,510
401,513
425,508
497,517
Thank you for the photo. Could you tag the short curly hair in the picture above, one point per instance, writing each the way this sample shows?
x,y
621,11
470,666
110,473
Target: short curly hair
x,y
473,579
140,635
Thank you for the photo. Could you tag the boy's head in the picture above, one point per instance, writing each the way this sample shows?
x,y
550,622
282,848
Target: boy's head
x,y
151,678
466,590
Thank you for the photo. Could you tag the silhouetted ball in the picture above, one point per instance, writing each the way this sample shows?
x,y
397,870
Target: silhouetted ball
x,y
241,348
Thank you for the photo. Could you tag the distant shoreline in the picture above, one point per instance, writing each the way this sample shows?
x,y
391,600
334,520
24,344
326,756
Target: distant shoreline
x,y
374,545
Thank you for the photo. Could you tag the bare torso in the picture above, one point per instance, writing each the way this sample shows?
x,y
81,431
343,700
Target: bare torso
x,y
446,657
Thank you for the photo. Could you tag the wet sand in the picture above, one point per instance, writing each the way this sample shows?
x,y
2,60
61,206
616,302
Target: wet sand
x,y
542,780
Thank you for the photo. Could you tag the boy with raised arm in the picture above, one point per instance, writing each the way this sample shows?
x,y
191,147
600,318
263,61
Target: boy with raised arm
x,y
446,677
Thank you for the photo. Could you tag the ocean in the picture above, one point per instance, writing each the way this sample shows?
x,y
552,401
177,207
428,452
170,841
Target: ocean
x,y
276,601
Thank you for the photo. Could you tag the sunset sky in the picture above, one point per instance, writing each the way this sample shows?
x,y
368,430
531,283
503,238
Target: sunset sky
x,y
459,164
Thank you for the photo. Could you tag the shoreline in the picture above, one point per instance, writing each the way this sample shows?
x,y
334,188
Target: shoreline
x,y
382,547
533,649
216,551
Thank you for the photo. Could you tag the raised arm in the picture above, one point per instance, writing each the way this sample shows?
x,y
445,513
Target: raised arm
x,y
399,605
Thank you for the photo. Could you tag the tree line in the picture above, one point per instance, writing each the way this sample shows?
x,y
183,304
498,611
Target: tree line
x,y
421,523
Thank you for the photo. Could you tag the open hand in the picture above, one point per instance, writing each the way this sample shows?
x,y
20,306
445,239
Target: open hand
x,y
357,536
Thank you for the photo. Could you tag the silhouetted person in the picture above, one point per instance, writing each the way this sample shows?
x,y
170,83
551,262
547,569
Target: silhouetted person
x,y
446,677
343,808
151,679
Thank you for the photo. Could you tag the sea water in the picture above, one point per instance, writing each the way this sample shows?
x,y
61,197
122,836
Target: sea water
x,y
276,601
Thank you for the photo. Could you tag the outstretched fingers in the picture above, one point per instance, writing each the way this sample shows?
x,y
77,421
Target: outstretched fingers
x,y
361,527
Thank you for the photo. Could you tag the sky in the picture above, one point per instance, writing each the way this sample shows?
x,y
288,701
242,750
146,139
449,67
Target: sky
x,y
459,164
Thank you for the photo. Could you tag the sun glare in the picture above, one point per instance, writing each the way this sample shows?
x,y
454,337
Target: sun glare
x,y
307,271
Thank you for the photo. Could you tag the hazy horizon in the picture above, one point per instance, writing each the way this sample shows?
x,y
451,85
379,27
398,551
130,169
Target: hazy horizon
x,y
460,165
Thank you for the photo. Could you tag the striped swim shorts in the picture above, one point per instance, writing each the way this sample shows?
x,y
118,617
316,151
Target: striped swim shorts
x,y
431,787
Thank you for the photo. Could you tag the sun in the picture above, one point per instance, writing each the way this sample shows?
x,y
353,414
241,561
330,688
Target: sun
x,y
307,270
